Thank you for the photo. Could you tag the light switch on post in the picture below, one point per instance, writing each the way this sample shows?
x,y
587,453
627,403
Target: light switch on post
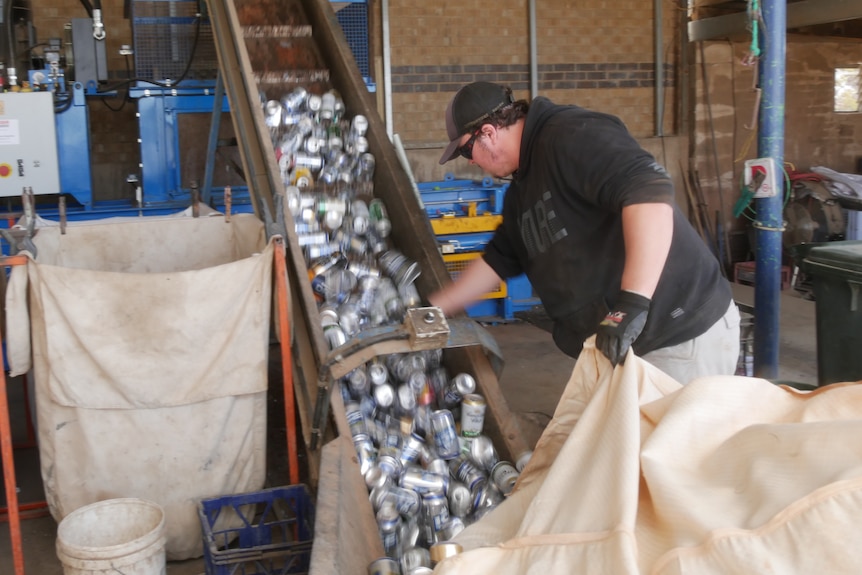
x,y
761,177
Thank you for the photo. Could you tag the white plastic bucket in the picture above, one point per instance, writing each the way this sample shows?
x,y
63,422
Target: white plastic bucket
x,y
114,536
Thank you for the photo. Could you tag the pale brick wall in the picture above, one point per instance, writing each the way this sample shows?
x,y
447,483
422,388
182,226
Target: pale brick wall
x,y
599,55
814,135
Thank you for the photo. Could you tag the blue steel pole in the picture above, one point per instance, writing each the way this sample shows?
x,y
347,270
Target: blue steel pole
x,y
769,223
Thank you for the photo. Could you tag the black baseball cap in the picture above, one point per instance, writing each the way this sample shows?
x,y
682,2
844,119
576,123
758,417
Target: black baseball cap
x,y
472,104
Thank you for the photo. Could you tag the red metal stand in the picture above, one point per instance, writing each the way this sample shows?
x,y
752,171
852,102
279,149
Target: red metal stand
x,y
7,456
286,360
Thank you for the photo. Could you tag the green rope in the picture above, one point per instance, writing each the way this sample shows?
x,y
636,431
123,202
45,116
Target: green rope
x,y
754,15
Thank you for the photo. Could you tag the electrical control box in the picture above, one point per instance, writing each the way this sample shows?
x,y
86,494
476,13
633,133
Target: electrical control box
x,y
761,177
28,144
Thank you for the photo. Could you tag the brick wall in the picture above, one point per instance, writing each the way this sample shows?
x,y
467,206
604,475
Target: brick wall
x,y
814,135
598,55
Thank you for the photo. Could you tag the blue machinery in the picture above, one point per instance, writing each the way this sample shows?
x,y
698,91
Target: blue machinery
x,y
464,215
160,187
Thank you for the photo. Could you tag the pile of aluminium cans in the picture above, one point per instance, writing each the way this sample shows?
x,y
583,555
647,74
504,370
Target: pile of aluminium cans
x,y
418,431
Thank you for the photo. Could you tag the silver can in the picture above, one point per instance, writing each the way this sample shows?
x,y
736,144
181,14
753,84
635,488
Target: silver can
x,y
415,557
317,251
406,399
357,379
355,419
462,384
504,475
472,415
384,566
389,462
305,160
272,113
348,319
312,239
359,146
294,101
384,395
365,452
445,437
438,466
376,370
523,460
412,449
327,106
376,244
408,364
389,525
399,267
422,481
359,125
408,503
363,171
379,217
312,103
377,477
360,216
466,472
460,499
362,268
486,496
436,513
409,296
483,453
451,528
333,333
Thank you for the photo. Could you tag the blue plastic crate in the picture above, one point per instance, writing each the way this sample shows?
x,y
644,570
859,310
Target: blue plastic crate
x,y
267,532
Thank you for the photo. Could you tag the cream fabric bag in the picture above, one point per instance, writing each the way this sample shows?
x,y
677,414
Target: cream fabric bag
x,y
638,474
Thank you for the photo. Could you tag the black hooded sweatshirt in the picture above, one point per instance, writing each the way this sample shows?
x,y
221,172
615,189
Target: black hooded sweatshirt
x,y
562,226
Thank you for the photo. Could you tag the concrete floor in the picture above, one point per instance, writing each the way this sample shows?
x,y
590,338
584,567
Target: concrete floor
x,y
533,379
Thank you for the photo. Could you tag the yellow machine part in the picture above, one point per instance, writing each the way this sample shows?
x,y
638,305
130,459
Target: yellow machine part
x,y
465,225
455,264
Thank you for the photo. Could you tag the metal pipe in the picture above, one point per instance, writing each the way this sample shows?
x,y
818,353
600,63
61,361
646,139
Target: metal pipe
x,y
534,62
769,224
387,70
8,461
659,67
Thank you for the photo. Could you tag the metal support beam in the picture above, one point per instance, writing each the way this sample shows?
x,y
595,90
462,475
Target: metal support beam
x,y
770,221
806,13
255,145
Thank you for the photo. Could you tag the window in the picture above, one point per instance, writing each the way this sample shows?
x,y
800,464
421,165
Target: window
x,y
846,89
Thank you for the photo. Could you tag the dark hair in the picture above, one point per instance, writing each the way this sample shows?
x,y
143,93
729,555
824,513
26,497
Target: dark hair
x,y
508,115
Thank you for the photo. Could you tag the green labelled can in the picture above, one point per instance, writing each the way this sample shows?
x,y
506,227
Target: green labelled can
x,y
472,415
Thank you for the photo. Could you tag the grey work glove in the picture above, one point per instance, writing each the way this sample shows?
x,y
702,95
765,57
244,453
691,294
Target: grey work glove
x,y
622,326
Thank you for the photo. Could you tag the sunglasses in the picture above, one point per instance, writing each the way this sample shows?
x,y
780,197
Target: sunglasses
x,y
466,150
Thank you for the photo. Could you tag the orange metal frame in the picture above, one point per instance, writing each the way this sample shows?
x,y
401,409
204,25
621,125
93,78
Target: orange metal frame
x,y
286,358
6,453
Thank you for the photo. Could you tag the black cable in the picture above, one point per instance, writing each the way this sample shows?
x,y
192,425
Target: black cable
x,y
126,96
34,46
64,105
88,7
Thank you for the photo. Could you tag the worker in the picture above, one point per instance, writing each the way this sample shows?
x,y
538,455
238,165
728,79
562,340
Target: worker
x,y
590,217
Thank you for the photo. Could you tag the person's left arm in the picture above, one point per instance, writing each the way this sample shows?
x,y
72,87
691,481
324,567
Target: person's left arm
x,y
647,232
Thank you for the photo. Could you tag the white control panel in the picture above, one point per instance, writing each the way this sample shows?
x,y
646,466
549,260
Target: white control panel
x,y
28,144
761,173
